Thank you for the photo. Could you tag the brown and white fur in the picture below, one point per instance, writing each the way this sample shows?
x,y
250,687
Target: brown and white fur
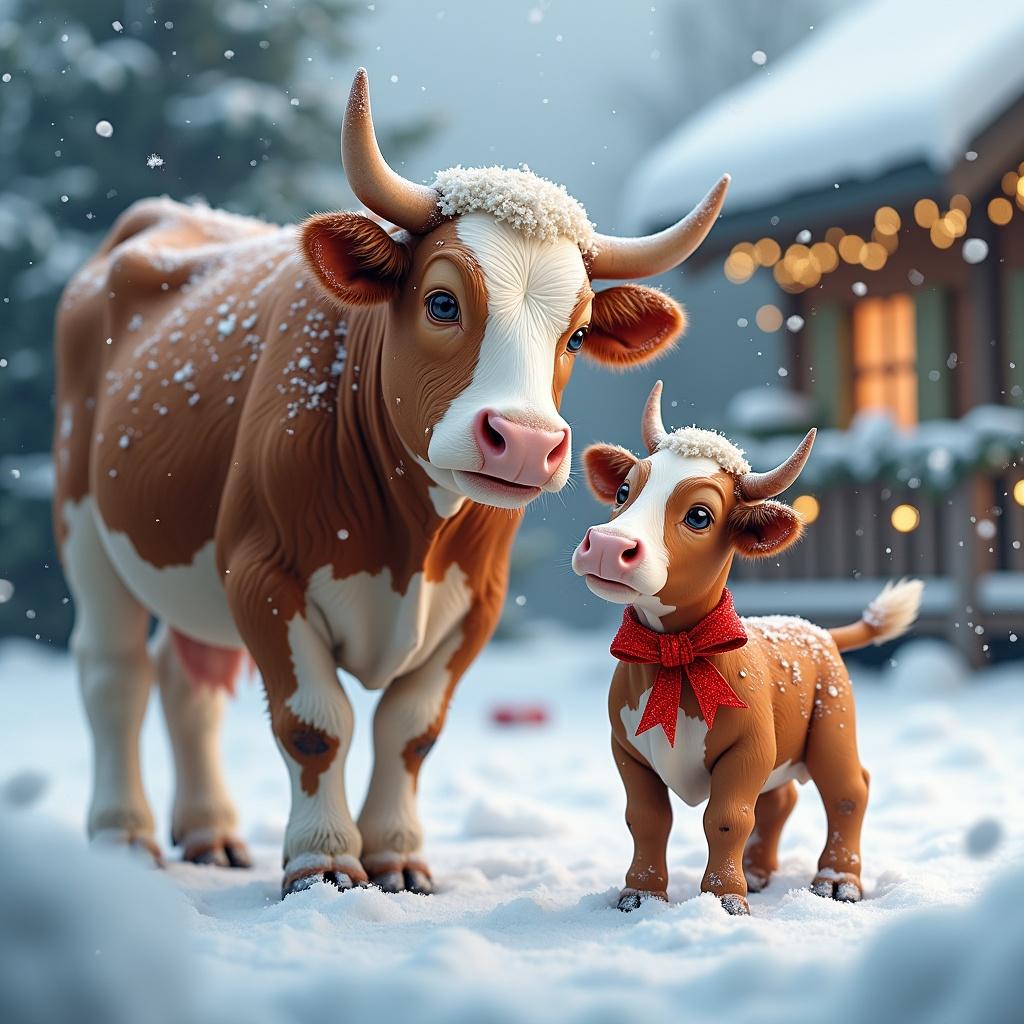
x,y
799,723
267,440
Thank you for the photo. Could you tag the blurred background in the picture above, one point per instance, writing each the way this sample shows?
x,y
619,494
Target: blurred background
x,y
867,275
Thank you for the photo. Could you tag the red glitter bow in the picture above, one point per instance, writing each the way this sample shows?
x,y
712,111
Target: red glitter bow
x,y
677,654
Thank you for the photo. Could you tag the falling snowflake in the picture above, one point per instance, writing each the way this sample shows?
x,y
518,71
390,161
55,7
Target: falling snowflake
x,y
154,160
104,129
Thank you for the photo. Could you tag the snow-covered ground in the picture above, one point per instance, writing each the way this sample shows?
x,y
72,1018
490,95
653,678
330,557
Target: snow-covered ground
x,y
526,839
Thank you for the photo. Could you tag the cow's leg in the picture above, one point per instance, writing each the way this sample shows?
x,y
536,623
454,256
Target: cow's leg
x,y
736,780
761,857
203,822
406,725
834,765
649,820
115,676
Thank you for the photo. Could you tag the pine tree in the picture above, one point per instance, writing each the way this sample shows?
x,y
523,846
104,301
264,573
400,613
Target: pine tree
x,y
103,102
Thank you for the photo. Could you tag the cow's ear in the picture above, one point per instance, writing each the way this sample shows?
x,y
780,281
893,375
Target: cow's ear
x,y
606,466
764,528
354,257
632,324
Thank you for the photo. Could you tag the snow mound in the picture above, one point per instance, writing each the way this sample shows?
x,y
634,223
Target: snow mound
x,y
510,818
527,202
87,936
928,666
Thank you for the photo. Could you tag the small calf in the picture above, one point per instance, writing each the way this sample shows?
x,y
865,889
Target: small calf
x,y
709,705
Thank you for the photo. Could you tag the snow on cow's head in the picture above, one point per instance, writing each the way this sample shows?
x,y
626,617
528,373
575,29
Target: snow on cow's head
x,y
486,290
679,516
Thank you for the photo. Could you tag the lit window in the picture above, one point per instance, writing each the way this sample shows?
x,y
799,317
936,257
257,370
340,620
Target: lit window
x,y
884,357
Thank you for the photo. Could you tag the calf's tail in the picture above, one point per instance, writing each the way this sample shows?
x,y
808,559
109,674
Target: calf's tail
x,y
890,615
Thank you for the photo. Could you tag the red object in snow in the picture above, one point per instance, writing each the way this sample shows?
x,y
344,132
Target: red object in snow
x,y
519,714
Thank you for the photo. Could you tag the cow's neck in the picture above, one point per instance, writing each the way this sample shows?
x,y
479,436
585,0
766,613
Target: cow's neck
x,y
410,521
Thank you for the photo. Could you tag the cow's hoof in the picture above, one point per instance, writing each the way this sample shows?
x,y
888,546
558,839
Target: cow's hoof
x,y
306,870
413,878
221,851
632,899
845,889
341,881
735,905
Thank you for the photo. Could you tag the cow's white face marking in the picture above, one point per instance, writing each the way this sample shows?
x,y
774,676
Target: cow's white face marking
x,y
644,521
532,289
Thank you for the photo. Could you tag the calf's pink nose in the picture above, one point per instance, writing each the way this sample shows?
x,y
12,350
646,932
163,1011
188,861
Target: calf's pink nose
x,y
611,556
519,454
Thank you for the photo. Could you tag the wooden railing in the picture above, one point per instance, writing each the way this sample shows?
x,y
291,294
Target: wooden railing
x,y
968,545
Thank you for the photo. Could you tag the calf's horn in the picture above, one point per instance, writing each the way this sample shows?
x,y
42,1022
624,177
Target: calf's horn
x,y
377,186
629,258
652,427
757,486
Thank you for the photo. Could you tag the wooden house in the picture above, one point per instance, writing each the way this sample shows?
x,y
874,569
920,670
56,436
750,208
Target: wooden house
x,y
879,187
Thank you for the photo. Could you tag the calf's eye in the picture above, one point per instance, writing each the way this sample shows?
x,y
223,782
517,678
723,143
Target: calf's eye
x,y
443,307
622,494
698,518
575,342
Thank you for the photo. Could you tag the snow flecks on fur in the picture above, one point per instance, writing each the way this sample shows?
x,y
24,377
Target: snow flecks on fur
x,y
527,202
697,443
895,609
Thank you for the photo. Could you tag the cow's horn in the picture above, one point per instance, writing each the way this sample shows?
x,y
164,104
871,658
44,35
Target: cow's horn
x,y
629,258
377,186
652,427
756,486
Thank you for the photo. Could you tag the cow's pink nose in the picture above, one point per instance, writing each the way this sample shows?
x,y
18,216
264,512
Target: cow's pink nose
x,y
611,556
517,453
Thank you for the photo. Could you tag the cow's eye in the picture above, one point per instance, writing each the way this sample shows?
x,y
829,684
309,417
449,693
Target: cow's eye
x,y
575,342
698,518
443,307
622,494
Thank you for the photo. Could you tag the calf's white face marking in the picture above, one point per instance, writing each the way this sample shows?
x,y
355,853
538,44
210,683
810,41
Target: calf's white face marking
x,y
532,289
644,521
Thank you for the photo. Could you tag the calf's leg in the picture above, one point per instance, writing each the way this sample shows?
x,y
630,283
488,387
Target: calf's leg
x,y
115,676
203,821
649,820
834,765
761,857
736,780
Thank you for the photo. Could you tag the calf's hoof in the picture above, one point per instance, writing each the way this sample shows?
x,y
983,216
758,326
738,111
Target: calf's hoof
x,y
307,870
412,876
631,899
843,888
756,880
735,905
219,850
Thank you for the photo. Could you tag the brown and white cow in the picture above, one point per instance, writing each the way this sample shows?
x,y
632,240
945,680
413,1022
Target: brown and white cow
x,y
315,444
679,518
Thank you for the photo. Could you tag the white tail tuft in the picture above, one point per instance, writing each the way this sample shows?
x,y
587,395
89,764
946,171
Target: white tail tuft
x,y
894,611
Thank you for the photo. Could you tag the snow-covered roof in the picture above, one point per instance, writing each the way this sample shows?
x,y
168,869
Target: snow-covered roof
x,y
886,84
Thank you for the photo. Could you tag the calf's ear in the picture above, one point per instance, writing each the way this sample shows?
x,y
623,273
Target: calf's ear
x,y
606,466
632,324
354,258
764,528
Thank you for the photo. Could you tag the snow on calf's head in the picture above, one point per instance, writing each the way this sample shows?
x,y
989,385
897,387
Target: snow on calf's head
x,y
680,515
487,285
